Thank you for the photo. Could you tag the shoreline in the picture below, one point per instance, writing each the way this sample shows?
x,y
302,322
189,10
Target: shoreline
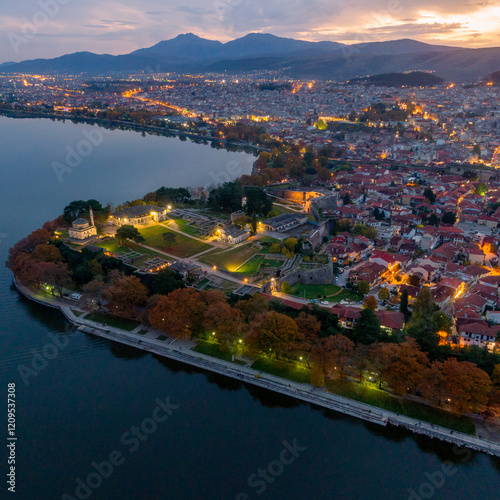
x,y
303,392
134,127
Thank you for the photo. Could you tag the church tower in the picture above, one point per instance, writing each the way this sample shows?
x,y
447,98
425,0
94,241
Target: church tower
x,y
91,217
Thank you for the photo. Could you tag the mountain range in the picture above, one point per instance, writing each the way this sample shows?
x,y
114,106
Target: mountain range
x,y
189,53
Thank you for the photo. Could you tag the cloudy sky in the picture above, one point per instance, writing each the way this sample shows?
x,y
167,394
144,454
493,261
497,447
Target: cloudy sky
x,y
49,28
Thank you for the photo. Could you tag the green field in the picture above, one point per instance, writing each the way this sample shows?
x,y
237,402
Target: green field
x,y
370,394
290,371
213,349
285,210
184,246
345,295
231,259
251,267
272,263
111,246
115,321
184,226
314,291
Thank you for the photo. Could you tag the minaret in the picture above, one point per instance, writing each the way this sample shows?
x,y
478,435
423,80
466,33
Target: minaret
x,y
91,216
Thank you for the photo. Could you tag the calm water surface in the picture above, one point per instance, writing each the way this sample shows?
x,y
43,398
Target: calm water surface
x,y
74,412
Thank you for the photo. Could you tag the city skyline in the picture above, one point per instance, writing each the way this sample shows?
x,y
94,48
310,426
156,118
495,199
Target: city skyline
x,y
62,26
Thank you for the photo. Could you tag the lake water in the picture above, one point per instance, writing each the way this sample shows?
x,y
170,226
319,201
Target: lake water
x,y
83,405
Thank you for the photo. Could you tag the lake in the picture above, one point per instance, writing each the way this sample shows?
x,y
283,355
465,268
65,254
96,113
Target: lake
x,y
97,401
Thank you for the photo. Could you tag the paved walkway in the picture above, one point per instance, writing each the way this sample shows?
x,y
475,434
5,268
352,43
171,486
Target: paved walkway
x,y
180,350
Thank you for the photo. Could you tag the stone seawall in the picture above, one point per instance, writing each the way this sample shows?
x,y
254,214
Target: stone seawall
x,y
303,392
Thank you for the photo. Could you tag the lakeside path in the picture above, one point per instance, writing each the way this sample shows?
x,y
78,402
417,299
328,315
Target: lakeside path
x,y
180,351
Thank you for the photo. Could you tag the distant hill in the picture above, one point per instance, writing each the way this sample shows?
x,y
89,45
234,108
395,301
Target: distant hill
x,y
413,79
495,77
187,46
403,46
295,58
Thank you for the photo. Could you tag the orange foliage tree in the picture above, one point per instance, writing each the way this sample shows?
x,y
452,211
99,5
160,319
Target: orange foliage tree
x,y
273,331
124,295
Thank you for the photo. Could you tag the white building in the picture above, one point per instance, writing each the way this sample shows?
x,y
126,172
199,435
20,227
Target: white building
x,y
139,214
82,230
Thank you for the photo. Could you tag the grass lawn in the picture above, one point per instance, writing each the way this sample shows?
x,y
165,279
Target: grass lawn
x,y
251,267
269,240
111,246
183,225
345,295
290,371
272,263
231,259
213,349
314,291
115,321
184,246
285,210
162,338
142,332
372,395
77,313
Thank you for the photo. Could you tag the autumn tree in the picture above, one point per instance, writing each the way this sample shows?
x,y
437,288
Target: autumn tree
x,y
380,357
124,295
370,302
47,253
273,331
308,332
55,274
226,322
252,307
93,291
333,354
27,269
27,245
467,386
180,313
432,386
384,294
406,368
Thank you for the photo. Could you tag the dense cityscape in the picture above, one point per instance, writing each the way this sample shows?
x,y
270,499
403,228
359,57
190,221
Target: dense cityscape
x,y
329,257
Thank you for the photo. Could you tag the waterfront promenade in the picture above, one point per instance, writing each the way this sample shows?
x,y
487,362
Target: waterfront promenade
x,y
181,351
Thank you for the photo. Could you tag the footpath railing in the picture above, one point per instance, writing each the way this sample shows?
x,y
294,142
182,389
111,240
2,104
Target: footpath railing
x,y
303,392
